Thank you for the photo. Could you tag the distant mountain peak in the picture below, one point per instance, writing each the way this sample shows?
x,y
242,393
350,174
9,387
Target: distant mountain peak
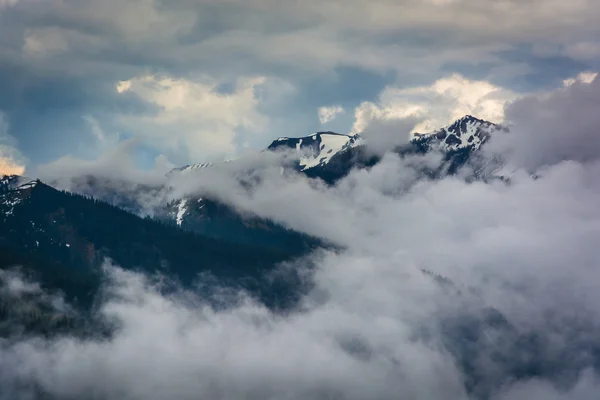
x,y
316,149
13,190
194,167
466,132
314,135
15,182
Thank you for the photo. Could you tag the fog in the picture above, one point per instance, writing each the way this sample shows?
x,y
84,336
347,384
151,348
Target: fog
x,y
384,319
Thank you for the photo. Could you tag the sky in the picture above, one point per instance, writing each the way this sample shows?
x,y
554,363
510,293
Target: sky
x,y
201,80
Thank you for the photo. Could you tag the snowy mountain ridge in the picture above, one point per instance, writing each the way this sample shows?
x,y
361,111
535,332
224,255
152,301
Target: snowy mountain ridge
x,y
13,189
313,156
194,167
15,182
317,149
327,156
467,131
311,151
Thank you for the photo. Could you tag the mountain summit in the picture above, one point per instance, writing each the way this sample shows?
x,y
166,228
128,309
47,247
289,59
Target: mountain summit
x,y
467,131
327,156
317,149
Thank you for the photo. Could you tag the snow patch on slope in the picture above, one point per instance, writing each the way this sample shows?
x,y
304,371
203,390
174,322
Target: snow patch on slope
x,y
181,210
15,182
330,145
12,189
186,169
316,149
10,202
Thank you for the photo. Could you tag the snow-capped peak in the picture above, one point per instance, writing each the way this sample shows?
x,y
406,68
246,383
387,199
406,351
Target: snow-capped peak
x,y
15,182
316,149
467,131
319,148
12,190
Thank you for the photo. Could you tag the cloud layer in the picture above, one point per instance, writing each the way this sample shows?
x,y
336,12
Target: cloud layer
x,y
515,316
445,101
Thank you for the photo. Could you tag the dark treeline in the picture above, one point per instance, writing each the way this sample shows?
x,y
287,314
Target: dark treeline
x,y
65,237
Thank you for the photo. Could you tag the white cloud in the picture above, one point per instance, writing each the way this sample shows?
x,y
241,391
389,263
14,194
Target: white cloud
x,y
191,115
114,171
8,166
447,99
329,113
123,86
368,112
585,77
114,162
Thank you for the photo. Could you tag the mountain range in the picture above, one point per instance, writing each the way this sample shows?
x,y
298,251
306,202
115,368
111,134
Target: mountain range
x,y
63,238
330,156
